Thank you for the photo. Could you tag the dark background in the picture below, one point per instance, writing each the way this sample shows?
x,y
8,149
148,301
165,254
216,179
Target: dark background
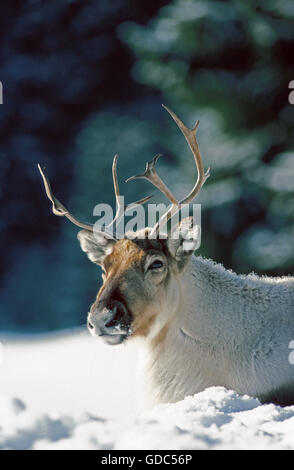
x,y
83,80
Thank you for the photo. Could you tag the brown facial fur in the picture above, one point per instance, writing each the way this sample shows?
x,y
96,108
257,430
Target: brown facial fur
x,y
160,337
124,268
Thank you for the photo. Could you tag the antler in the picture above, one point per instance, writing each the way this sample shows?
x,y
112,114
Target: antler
x,y
151,175
57,207
60,210
190,137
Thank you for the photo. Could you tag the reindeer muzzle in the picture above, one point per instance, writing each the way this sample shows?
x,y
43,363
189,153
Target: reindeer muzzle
x,y
112,323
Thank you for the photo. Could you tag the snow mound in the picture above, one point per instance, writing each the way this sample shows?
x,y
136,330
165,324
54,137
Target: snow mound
x,y
214,419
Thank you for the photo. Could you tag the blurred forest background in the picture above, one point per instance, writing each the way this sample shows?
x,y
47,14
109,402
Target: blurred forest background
x,y
83,80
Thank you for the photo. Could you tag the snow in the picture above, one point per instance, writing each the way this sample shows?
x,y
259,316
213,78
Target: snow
x,y
70,371
70,391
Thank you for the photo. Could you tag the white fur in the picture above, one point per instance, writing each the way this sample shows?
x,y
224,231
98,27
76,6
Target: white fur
x,y
224,330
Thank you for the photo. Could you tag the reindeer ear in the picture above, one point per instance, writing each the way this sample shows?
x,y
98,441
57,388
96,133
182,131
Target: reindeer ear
x,y
96,244
184,240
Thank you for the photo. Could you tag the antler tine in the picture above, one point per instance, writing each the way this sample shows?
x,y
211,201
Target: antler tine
x,y
57,207
121,209
137,203
151,175
190,137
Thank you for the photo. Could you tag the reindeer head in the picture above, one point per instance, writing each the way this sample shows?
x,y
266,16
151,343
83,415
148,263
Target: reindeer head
x,y
141,272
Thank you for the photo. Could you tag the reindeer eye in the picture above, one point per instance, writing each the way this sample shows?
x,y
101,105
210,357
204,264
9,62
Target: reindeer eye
x,y
157,264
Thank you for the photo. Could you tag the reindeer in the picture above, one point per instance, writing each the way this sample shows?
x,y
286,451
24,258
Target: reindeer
x,y
200,324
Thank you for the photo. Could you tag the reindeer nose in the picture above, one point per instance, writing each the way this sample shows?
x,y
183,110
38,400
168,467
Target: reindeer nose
x,y
113,319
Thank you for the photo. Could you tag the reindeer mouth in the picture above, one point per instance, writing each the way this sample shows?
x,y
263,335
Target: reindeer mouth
x,y
117,336
114,339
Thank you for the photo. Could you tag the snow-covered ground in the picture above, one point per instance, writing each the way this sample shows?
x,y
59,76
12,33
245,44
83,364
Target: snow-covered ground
x,y
70,391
